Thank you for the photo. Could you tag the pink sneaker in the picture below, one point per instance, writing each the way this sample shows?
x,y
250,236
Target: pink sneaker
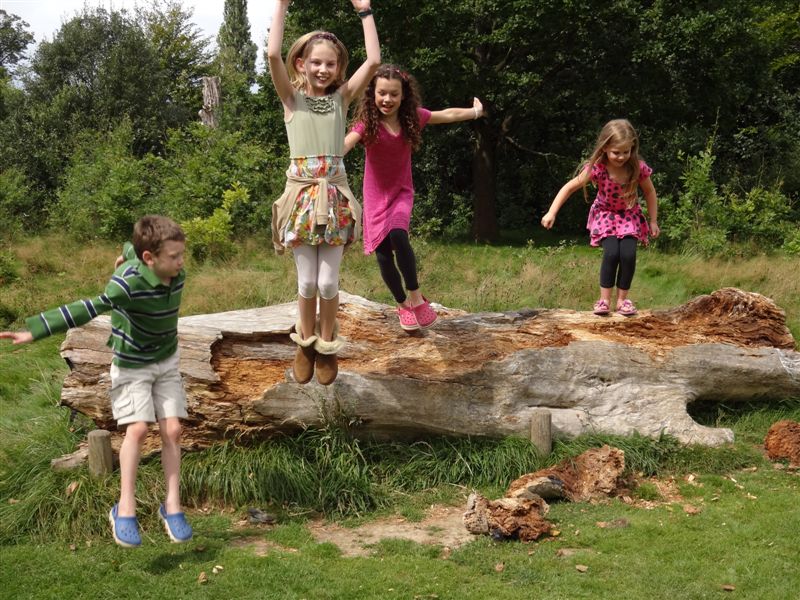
x,y
408,320
426,316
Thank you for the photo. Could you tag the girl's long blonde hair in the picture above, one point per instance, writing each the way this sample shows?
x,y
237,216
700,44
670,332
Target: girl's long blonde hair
x,y
301,49
618,132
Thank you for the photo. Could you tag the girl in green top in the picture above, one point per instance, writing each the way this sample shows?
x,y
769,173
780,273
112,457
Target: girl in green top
x,y
317,215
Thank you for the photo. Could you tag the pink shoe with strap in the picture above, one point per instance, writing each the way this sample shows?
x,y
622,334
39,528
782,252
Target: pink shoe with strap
x,y
426,316
626,308
601,307
408,320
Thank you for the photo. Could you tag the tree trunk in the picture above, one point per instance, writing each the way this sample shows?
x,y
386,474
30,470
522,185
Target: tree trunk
x,y
472,374
484,216
211,100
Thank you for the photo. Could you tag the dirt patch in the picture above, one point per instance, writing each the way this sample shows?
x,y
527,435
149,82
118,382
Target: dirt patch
x,y
442,526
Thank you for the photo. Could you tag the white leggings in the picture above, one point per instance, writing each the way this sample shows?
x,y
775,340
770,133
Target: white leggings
x,y
318,270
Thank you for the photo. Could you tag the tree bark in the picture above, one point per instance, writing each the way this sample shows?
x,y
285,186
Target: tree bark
x,y
484,216
211,101
472,374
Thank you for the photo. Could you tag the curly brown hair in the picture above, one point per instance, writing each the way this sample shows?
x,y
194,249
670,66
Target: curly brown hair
x,y
368,113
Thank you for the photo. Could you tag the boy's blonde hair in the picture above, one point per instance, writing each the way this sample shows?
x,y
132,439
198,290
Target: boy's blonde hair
x,y
301,49
618,132
151,231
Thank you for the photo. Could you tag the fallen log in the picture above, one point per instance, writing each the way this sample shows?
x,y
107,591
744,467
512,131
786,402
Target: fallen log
x,y
471,374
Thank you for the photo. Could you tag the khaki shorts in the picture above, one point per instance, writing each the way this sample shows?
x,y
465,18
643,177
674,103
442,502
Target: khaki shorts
x,y
148,393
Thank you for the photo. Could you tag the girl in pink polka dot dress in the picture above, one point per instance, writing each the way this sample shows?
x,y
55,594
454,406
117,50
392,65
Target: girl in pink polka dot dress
x,y
616,221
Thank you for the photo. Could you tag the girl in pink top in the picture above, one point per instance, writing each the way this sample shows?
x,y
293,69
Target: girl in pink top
x,y
389,124
616,221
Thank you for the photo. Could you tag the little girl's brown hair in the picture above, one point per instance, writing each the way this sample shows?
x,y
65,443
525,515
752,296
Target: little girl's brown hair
x,y
369,115
618,132
301,49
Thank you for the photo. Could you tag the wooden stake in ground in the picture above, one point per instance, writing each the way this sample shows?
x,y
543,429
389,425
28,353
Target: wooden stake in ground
x,y
471,374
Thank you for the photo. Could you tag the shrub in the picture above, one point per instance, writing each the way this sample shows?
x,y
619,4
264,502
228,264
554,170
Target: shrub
x,y
706,219
20,204
210,237
202,163
106,187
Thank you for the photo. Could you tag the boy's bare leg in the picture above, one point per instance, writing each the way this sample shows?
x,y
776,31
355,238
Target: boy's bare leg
x,y
129,454
171,461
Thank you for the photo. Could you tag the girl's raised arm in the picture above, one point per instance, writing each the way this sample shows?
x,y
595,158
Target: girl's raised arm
x,y
453,115
353,87
277,69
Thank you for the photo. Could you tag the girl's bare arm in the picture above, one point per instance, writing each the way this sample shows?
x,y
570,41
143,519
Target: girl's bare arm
x,y
277,69
353,87
453,115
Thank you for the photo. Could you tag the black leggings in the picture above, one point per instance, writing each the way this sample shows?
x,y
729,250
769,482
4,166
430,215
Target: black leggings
x,y
396,246
619,262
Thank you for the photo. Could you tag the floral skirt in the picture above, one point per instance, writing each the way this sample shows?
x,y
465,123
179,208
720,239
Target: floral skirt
x,y
302,227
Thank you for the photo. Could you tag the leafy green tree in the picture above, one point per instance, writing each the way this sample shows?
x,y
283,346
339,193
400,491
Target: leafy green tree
x,y
201,163
237,52
101,68
183,56
235,65
106,186
552,72
14,40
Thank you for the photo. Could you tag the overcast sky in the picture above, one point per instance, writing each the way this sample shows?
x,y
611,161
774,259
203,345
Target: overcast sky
x,y
45,17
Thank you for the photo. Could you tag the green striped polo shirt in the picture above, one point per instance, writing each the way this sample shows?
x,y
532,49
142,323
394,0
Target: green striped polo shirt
x,y
144,318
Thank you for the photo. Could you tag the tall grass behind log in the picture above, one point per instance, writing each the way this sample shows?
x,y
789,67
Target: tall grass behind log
x,y
468,276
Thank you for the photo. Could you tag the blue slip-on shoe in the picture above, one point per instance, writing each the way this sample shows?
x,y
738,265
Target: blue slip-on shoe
x,y
125,529
177,528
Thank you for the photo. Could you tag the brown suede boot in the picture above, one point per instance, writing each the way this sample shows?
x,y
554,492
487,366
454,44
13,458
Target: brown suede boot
x,y
303,366
326,363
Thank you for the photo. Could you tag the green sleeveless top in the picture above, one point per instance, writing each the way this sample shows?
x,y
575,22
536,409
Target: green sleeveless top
x,y
314,132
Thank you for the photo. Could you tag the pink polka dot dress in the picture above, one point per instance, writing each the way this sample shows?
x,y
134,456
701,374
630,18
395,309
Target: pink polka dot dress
x,y
610,214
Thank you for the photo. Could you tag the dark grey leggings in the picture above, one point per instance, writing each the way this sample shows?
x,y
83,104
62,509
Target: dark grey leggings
x,y
619,262
396,247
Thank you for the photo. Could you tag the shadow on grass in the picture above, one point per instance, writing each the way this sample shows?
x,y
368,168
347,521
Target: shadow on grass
x,y
199,554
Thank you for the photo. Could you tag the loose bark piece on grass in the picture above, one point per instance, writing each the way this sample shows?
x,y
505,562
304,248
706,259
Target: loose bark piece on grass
x,y
594,474
783,441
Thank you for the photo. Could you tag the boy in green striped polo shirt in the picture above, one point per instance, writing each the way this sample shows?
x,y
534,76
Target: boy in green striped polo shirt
x,y
143,295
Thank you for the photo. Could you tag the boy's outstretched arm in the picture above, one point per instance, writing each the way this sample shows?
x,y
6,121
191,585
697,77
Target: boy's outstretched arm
x,y
353,87
17,337
78,313
453,115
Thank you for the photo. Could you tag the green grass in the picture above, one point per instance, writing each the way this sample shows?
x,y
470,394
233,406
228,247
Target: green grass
x,y
54,541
